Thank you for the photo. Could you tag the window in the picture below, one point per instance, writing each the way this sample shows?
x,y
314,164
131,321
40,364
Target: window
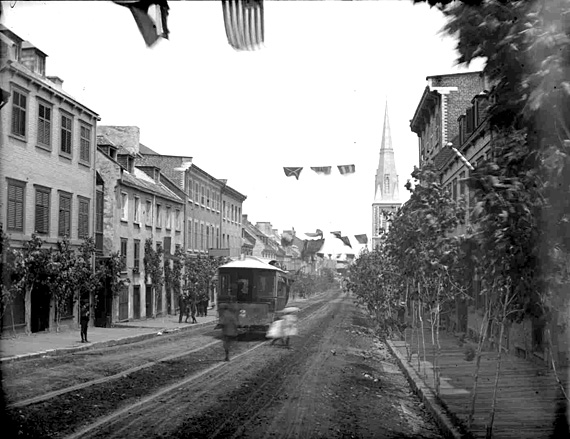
x,y
190,234
207,236
177,221
217,237
64,226
224,209
19,114
158,217
148,213
202,196
124,206
454,189
239,215
66,134
83,219
196,235
190,189
208,197
137,213
16,197
202,237
196,192
462,184
124,243
44,124
42,211
386,185
136,256
85,144
168,218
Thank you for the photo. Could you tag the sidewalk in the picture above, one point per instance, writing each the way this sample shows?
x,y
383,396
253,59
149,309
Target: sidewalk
x,y
24,346
526,399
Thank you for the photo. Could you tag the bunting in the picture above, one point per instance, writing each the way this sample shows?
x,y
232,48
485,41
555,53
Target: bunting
x,y
346,169
243,20
337,234
326,170
295,172
346,241
318,232
150,29
362,239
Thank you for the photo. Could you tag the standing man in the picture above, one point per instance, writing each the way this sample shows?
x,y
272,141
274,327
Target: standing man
x,y
84,321
228,320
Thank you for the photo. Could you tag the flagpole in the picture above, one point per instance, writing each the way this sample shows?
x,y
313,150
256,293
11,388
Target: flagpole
x,y
461,156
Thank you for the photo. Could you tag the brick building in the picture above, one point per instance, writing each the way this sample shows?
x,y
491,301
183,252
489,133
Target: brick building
x,y
47,167
138,203
212,224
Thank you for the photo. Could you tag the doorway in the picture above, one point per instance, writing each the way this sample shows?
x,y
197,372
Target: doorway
x,y
40,310
148,301
136,301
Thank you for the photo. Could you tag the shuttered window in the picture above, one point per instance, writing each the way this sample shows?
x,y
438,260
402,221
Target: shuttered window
x,y
44,125
99,213
42,211
16,196
19,114
64,225
83,219
85,144
66,134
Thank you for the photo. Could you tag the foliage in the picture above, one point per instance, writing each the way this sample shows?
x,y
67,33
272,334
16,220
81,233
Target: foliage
x,y
198,273
111,270
152,264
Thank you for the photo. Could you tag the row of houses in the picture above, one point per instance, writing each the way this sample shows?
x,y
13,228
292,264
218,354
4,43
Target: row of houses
x,y
65,175
453,112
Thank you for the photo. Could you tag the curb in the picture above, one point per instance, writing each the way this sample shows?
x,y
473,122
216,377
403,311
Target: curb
x,y
103,344
428,397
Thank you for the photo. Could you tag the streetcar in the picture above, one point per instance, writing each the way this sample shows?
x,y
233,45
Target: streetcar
x,y
257,289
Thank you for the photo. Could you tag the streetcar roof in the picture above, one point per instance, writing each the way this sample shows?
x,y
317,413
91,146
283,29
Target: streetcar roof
x,y
250,262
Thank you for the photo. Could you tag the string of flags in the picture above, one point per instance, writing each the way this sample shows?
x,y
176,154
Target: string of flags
x,y
291,171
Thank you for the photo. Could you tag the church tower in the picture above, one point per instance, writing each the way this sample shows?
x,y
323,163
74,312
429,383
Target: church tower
x,y
386,194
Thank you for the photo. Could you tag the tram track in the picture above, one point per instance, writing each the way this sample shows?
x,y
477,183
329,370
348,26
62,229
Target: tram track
x,y
116,422
63,410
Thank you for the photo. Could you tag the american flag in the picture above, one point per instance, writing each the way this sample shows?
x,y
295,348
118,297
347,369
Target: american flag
x,y
346,169
295,172
326,170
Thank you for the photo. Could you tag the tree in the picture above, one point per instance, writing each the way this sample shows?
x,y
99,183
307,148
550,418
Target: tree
x,y
526,45
152,268
26,268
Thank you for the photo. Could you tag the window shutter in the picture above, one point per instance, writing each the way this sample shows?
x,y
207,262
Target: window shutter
x,y
15,207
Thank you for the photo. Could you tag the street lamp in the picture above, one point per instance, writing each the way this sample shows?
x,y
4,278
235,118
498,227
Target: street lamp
x,y
461,156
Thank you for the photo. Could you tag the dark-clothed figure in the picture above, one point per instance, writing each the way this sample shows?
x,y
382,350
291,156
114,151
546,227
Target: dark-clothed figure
x,y
229,323
84,321
182,307
193,310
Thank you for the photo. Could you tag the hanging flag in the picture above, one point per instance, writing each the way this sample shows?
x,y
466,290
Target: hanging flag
x,y
326,170
243,20
337,234
346,169
318,232
150,29
346,241
362,239
295,172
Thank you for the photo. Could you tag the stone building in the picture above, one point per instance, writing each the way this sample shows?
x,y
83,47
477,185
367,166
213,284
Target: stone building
x,y
386,194
213,209
47,167
137,204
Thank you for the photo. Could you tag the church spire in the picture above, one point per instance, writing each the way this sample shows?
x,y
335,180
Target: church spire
x,y
386,195
386,176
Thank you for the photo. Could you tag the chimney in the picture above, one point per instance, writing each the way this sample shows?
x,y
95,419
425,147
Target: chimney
x,y
33,58
126,136
58,82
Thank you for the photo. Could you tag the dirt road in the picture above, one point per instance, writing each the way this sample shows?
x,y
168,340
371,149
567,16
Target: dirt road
x,y
336,381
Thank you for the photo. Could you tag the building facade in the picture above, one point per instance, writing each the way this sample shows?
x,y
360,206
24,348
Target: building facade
x,y
386,188
137,206
47,167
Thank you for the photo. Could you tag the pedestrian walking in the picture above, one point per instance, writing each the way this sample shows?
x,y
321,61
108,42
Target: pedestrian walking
x,y
193,311
275,331
84,322
289,327
229,323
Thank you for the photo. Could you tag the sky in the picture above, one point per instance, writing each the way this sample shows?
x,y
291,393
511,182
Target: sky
x,y
314,95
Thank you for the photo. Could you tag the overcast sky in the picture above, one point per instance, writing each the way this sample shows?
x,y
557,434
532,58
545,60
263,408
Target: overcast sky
x,y
313,96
